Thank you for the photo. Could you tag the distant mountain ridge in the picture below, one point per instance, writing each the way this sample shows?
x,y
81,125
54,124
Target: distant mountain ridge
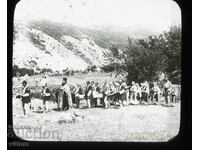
x,y
102,37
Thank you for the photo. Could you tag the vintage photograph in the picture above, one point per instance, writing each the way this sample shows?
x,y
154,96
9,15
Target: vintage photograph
x,y
96,70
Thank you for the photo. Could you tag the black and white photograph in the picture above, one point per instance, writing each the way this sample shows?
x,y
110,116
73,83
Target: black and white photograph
x,y
96,70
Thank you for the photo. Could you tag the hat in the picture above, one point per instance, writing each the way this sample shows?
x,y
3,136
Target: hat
x,y
64,78
24,82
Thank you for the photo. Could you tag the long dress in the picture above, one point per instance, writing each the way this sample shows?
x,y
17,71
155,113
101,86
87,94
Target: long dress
x,y
62,99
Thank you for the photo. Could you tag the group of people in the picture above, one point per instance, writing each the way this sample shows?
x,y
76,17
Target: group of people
x,y
116,93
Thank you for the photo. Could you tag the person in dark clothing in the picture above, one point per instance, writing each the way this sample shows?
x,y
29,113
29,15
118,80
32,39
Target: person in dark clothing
x,y
88,93
79,94
144,92
25,98
62,96
46,95
96,94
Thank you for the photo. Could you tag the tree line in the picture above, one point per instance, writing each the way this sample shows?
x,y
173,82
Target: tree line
x,y
145,59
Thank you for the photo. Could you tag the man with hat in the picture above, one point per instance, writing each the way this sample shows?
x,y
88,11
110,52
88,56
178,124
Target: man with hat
x,y
46,94
167,90
133,93
25,98
88,93
145,92
155,93
79,94
63,95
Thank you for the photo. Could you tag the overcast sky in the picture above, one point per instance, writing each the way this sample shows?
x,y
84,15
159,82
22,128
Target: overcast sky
x,y
154,15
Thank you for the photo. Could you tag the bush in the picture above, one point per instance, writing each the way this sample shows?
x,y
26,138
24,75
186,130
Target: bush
x,y
108,68
21,71
45,70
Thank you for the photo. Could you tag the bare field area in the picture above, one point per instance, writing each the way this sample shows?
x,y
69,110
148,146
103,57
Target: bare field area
x,y
130,123
136,123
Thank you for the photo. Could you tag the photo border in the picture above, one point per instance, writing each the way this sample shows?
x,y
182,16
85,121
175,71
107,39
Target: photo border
x,y
183,139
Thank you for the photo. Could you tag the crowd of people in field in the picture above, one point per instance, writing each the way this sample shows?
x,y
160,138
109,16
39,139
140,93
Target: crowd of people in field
x,y
116,93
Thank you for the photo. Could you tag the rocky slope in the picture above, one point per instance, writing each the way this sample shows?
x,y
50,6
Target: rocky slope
x,y
33,45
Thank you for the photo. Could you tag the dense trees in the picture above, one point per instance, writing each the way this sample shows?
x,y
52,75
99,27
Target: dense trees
x,y
22,71
145,59
173,52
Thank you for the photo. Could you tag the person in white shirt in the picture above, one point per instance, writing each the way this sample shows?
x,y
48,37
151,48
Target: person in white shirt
x,y
145,92
138,92
156,93
46,94
133,90
88,93
44,80
79,94
167,90
97,95
25,98
173,94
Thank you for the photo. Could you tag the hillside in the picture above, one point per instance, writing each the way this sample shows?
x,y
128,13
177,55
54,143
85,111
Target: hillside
x,y
49,51
103,37
59,46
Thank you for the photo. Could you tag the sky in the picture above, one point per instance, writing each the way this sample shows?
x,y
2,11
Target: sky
x,y
154,15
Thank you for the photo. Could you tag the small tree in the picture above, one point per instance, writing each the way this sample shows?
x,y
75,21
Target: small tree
x,y
115,59
93,68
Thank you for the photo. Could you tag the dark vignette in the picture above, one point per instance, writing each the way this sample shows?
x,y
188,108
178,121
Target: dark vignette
x,y
183,139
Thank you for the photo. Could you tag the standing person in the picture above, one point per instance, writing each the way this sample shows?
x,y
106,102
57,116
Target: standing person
x,y
123,95
173,94
127,93
106,92
138,92
44,79
63,96
65,87
117,95
18,76
88,93
145,92
133,91
25,98
155,93
142,93
73,90
112,93
167,90
151,93
46,95
78,95
96,94
92,100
